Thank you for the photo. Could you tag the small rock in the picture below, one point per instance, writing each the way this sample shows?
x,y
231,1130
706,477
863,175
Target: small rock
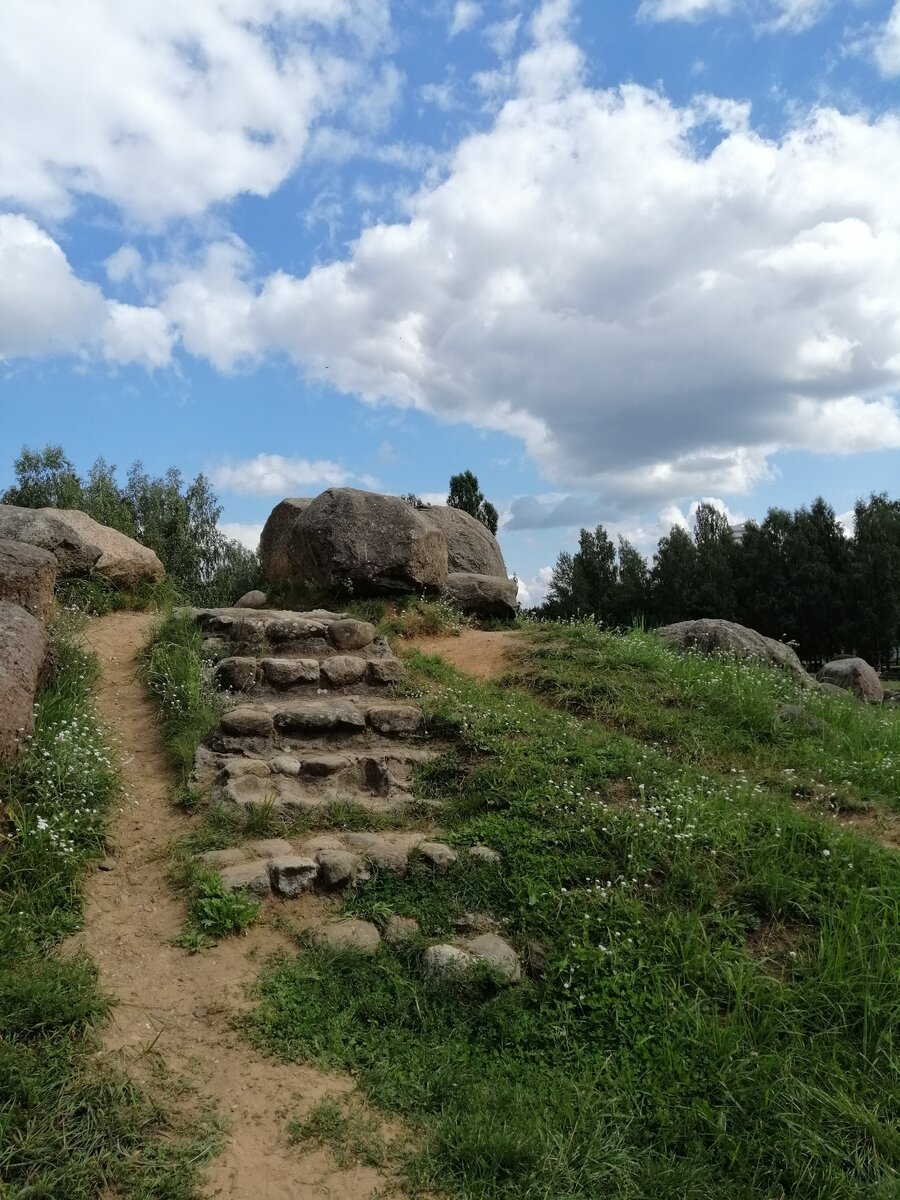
x,y
254,599
106,864
396,720
249,875
399,930
287,672
446,962
385,670
236,674
283,764
215,859
856,676
536,959
337,868
439,856
351,635
350,935
290,874
343,670
498,954
247,721
795,717
483,854
272,848
380,853
320,765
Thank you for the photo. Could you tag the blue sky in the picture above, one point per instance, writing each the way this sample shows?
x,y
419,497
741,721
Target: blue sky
x,y
614,257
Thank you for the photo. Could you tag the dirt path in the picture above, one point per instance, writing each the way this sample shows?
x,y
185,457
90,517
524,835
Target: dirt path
x,y
175,1007
483,654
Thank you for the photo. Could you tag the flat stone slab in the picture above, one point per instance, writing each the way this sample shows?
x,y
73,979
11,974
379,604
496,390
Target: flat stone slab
x,y
250,875
360,936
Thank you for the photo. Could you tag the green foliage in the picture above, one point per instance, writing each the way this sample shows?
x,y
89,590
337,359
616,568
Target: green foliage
x,y
215,912
351,1136
175,518
70,1127
718,1011
414,618
465,494
794,577
180,681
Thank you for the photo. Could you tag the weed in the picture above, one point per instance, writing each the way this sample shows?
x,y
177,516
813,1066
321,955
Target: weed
x,y
350,1135
216,912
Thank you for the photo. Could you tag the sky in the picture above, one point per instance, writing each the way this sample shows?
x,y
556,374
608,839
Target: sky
x,y
616,256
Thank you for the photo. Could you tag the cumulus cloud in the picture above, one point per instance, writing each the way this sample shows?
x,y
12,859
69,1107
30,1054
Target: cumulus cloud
x,y
245,532
533,591
653,317
772,16
887,48
46,309
275,475
166,108
466,14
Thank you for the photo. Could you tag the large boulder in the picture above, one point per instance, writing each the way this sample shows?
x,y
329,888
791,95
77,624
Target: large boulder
x,y
23,653
275,539
712,636
27,576
368,544
482,595
81,545
853,675
471,547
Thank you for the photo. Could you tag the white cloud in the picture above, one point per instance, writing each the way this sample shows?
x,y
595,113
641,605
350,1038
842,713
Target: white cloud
x,y
167,108
501,35
245,532
654,320
275,475
466,14
770,16
533,591
887,48
125,265
46,309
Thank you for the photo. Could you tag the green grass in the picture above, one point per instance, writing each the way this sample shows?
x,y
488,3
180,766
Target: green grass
x,y
718,1013
96,596
719,712
180,682
70,1128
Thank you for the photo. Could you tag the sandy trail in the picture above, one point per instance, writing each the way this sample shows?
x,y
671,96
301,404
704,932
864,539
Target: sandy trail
x,y
483,654
175,1007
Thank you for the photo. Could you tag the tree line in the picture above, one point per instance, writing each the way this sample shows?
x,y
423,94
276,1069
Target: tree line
x,y
796,576
177,518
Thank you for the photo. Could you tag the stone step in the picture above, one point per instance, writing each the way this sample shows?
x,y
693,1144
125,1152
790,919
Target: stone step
x,y
281,632
379,778
369,721
260,677
326,862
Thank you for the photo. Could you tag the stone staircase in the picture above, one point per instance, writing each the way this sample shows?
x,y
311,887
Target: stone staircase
x,y
313,722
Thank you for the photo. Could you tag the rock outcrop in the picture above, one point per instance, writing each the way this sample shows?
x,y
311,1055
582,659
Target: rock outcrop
x,y
482,595
27,576
275,539
471,547
712,636
23,654
81,545
360,542
853,675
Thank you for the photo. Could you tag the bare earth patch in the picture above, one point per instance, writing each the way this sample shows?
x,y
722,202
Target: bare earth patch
x,y
175,1008
483,654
